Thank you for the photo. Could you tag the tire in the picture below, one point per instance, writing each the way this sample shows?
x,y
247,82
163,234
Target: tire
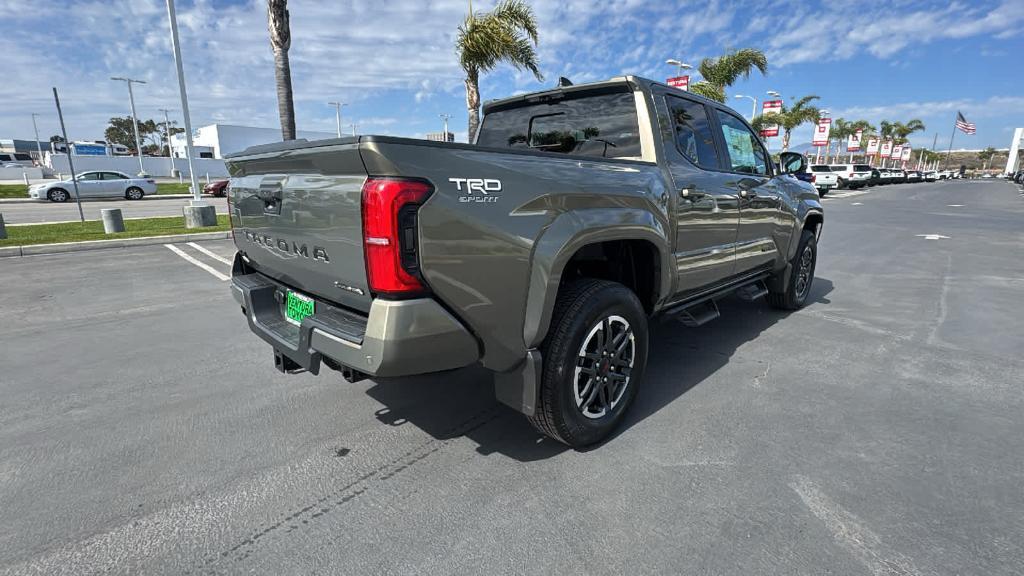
x,y
58,195
134,193
802,276
575,405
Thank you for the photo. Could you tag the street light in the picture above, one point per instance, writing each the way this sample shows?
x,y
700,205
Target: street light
x,y
167,135
773,93
753,111
445,117
196,199
682,65
39,147
135,119
354,126
337,113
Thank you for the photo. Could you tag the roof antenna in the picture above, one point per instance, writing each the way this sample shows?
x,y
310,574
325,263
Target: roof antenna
x,y
563,81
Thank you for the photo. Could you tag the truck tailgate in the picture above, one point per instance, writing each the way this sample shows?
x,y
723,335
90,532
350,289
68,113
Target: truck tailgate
x,y
298,219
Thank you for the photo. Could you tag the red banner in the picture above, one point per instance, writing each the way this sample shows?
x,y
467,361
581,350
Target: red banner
x,y
681,82
771,107
821,132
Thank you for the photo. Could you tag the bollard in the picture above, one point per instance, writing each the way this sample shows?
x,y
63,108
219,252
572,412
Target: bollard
x,y
112,220
207,178
3,229
199,216
24,176
181,179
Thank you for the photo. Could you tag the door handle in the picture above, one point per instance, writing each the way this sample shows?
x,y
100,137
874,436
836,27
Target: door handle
x,y
691,194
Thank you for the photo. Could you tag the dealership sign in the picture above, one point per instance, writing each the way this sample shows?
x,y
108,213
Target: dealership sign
x,y
681,82
897,152
821,132
853,144
905,154
886,149
771,107
872,145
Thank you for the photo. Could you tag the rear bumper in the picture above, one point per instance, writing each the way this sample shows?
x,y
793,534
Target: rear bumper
x,y
397,338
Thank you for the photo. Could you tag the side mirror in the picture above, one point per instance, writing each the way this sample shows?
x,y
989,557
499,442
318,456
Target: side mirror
x,y
792,163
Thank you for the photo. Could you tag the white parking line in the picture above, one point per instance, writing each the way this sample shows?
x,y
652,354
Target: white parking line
x,y
192,260
209,253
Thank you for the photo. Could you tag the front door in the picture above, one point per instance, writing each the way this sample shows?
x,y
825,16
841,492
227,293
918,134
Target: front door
x,y
759,192
706,207
89,185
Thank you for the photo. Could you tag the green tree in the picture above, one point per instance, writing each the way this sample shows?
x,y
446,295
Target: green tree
x,y
280,42
506,34
901,131
721,72
120,131
986,155
789,118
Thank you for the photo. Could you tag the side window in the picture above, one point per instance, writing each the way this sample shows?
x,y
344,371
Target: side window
x,y
112,176
90,176
692,131
746,154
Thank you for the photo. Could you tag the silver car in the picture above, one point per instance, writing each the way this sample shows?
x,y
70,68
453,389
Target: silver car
x,y
96,184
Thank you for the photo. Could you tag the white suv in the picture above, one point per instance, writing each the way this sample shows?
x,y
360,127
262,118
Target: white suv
x,y
852,175
823,178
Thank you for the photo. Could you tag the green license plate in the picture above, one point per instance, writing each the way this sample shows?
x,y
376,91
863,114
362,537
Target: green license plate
x,y
297,307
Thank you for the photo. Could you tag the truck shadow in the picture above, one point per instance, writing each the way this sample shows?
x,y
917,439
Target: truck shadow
x,y
461,403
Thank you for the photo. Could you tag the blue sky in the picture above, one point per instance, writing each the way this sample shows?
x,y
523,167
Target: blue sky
x,y
393,61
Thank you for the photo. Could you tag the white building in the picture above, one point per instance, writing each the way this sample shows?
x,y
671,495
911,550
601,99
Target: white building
x,y
219,140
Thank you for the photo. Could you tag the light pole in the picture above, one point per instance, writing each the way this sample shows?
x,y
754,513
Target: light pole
x,y
196,199
167,136
682,65
135,119
337,113
354,126
773,93
753,111
445,117
39,147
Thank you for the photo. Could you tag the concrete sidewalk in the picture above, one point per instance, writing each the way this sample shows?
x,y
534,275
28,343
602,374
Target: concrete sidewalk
x,y
62,247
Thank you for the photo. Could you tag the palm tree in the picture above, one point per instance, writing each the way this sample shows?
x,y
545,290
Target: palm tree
x,y
488,39
280,42
841,131
901,131
720,73
789,118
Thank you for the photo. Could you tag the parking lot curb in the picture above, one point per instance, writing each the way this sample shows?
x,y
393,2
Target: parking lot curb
x,y
35,249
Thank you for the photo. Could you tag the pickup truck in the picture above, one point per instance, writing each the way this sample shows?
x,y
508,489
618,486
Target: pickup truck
x,y
541,251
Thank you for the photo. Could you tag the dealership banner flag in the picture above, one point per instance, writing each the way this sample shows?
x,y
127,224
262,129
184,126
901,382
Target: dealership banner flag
x,y
853,144
905,155
771,107
821,132
897,152
886,149
873,145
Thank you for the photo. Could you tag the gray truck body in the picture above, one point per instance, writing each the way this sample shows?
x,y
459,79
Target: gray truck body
x,y
497,235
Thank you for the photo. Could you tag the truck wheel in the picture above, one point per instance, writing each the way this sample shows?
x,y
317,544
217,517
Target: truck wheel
x,y
842,183
57,195
594,359
801,277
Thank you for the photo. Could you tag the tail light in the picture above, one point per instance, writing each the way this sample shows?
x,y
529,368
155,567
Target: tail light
x,y
814,178
390,207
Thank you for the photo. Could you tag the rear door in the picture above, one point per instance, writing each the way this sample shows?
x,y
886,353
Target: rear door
x,y
298,219
706,205
114,184
760,196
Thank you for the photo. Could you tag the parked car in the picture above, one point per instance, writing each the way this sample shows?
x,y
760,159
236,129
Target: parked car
x,y
931,176
16,159
540,252
851,176
899,176
914,176
217,188
96,184
822,178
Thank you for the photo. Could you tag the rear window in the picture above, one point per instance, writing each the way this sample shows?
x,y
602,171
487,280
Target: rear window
x,y
820,169
862,168
604,125
23,157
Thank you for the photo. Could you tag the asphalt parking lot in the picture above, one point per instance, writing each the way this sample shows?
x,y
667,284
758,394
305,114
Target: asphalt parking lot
x,y
28,212
878,431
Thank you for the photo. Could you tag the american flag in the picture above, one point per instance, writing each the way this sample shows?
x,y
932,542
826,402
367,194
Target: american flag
x,y
964,126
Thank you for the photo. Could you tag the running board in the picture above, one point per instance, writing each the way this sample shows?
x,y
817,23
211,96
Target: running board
x,y
753,291
699,315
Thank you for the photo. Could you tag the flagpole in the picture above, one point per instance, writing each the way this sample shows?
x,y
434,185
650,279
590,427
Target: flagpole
x,y
950,151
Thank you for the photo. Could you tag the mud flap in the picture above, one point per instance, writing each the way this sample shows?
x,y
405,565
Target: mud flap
x,y
519,387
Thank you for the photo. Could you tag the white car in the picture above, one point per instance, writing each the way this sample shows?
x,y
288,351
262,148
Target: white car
x,y
96,184
16,159
822,178
852,175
